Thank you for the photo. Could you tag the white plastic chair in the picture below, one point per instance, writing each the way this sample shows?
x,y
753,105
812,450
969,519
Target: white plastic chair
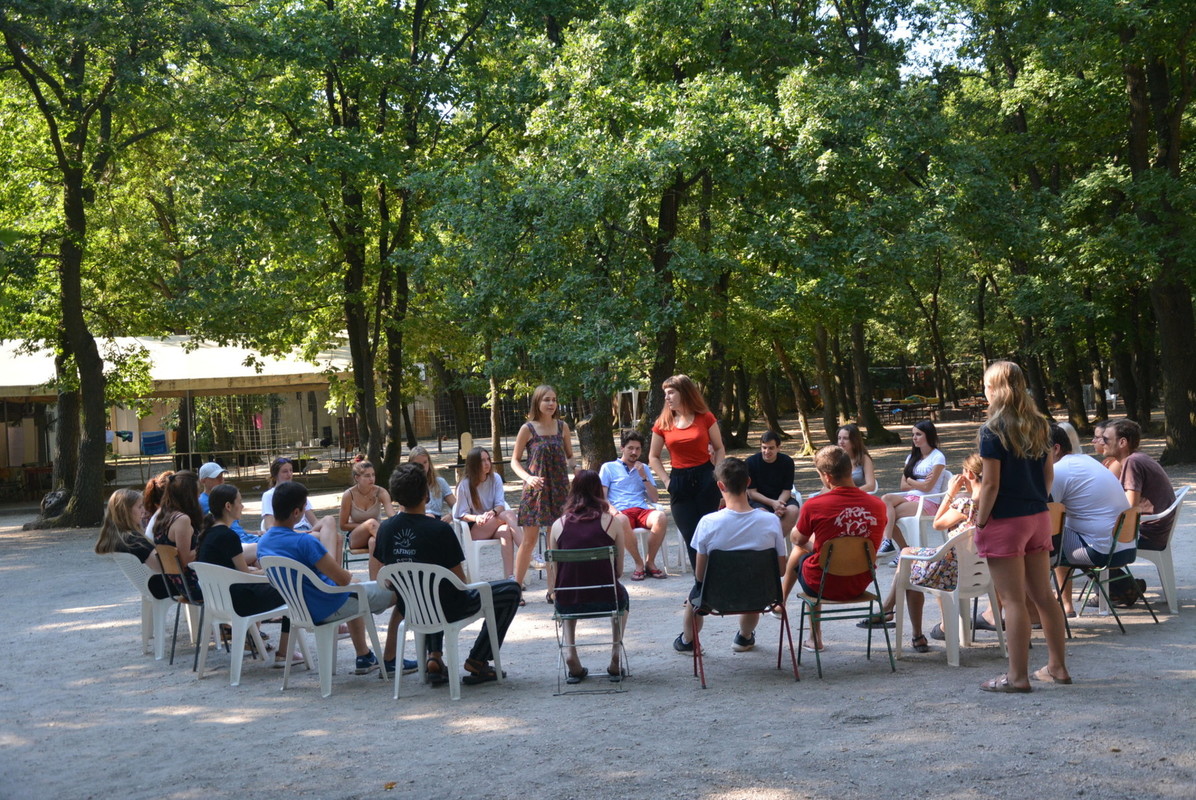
x,y
153,610
216,583
419,586
641,537
472,548
289,576
918,530
974,581
1161,559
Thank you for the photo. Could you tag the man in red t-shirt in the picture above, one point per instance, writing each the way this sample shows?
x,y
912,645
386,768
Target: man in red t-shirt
x,y
841,510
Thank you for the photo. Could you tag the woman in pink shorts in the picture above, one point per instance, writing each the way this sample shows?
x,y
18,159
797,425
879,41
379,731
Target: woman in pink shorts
x,y
1013,526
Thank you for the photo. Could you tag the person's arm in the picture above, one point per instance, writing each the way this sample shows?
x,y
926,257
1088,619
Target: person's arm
x,y
449,500
654,451
927,484
567,440
461,506
620,546
989,487
530,481
946,517
700,567
869,484
182,534
310,515
239,562
333,569
346,522
649,485
1048,471
717,451
550,570
375,566
387,505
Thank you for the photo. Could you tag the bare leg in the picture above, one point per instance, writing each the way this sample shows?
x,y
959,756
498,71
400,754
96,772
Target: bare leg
x,y
568,631
788,520
496,528
690,623
789,580
618,625
658,523
250,552
1038,586
1063,575
630,541
527,548
357,636
326,531
914,602
363,534
1009,576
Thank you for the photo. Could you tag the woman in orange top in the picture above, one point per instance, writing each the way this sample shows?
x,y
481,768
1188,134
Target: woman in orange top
x,y
695,444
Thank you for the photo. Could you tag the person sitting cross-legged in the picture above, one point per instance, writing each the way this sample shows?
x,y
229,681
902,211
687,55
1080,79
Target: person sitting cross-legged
x,y
413,536
841,510
736,527
629,487
289,504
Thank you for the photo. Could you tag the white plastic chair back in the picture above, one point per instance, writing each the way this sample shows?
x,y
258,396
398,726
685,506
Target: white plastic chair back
x,y
216,583
1162,560
974,580
153,609
287,576
419,587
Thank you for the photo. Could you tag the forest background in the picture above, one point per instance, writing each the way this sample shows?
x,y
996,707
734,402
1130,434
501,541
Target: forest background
x,y
769,196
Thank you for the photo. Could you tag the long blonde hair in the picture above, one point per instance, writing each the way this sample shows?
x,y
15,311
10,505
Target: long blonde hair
x,y
120,525
420,450
1012,417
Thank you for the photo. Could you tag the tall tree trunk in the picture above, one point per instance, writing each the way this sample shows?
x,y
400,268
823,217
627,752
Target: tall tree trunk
x,y
1100,380
826,381
877,433
768,404
799,397
450,383
596,434
664,361
1123,371
66,442
1073,379
1172,301
845,386
743,404
981,319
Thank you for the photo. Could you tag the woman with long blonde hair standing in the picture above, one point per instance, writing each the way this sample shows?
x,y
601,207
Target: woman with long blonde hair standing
x,y
1013,526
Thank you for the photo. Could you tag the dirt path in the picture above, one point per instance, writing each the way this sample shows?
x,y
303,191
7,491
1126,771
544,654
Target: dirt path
x,y
86,715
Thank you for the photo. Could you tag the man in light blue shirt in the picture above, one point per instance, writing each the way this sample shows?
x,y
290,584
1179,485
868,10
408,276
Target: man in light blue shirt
x,y
211,475
631,490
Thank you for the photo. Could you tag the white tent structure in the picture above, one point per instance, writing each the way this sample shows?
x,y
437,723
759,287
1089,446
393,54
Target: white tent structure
x,y
181,367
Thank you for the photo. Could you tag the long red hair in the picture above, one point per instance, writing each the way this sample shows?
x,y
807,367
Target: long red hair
x,y
691,399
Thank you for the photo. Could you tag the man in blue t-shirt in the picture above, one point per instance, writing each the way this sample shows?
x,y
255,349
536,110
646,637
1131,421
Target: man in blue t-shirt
x,y
290,500
630,488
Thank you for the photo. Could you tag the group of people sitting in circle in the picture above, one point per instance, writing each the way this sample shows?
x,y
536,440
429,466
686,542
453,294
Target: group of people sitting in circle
x,y
718,503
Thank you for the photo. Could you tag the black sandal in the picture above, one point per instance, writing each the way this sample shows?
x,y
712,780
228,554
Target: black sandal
x,y
884,620
920,644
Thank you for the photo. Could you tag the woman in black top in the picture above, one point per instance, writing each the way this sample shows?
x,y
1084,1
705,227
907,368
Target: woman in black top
x,y
219,545
121,532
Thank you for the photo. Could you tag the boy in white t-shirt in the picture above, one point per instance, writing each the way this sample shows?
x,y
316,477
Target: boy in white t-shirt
x,y
736,527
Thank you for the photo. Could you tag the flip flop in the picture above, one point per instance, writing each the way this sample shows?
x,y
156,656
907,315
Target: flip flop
x,y
656,573
577,677
878,621
1002,685
638,575
808,644
615,677
1044,676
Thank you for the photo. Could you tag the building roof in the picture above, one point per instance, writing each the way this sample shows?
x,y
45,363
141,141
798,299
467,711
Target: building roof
x,y
181,365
